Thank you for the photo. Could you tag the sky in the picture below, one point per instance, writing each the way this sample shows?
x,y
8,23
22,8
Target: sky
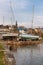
x,y
21,10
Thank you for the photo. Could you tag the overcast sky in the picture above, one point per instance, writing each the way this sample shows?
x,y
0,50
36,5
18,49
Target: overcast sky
x,y
22,10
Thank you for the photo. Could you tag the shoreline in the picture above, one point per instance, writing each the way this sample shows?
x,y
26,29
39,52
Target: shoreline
x,y
16,44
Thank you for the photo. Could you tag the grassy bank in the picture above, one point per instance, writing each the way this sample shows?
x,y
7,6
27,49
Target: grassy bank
x,y
1,56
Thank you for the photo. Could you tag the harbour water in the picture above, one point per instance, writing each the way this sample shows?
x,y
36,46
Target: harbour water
x,y
29,55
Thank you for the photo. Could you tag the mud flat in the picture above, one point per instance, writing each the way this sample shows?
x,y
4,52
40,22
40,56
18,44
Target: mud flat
x,y
15,44
22,43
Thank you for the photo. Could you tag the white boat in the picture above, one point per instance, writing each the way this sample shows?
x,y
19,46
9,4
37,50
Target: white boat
x,y
29,36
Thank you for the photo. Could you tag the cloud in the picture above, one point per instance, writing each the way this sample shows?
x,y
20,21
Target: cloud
x,y
1,1
22,10
26,19
20,4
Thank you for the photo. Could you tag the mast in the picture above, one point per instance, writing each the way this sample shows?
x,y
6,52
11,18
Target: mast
x,y
32,17
3,20
12,14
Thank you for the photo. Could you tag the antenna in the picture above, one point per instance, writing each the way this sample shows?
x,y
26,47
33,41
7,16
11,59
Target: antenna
x,y
32,17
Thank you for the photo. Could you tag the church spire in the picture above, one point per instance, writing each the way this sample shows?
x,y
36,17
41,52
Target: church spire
x,y
16,24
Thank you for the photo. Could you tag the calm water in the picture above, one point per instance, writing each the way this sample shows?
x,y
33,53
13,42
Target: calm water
x,y
31,55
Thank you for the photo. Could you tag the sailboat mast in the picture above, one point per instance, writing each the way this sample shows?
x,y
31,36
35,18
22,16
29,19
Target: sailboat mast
x,y
32,16
12,14
3,20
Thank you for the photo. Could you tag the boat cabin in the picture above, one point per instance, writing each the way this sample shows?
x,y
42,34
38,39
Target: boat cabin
x,y
9,36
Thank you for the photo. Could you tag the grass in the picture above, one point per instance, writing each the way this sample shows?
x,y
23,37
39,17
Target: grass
x,y
1,47
1,58
1,55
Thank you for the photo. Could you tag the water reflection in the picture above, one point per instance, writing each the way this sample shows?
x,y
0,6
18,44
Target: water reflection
x,y
30,55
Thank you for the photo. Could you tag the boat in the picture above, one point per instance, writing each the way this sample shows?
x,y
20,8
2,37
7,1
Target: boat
x,y
29,37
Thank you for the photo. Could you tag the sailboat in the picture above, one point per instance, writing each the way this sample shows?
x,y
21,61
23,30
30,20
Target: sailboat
x,y
29,36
